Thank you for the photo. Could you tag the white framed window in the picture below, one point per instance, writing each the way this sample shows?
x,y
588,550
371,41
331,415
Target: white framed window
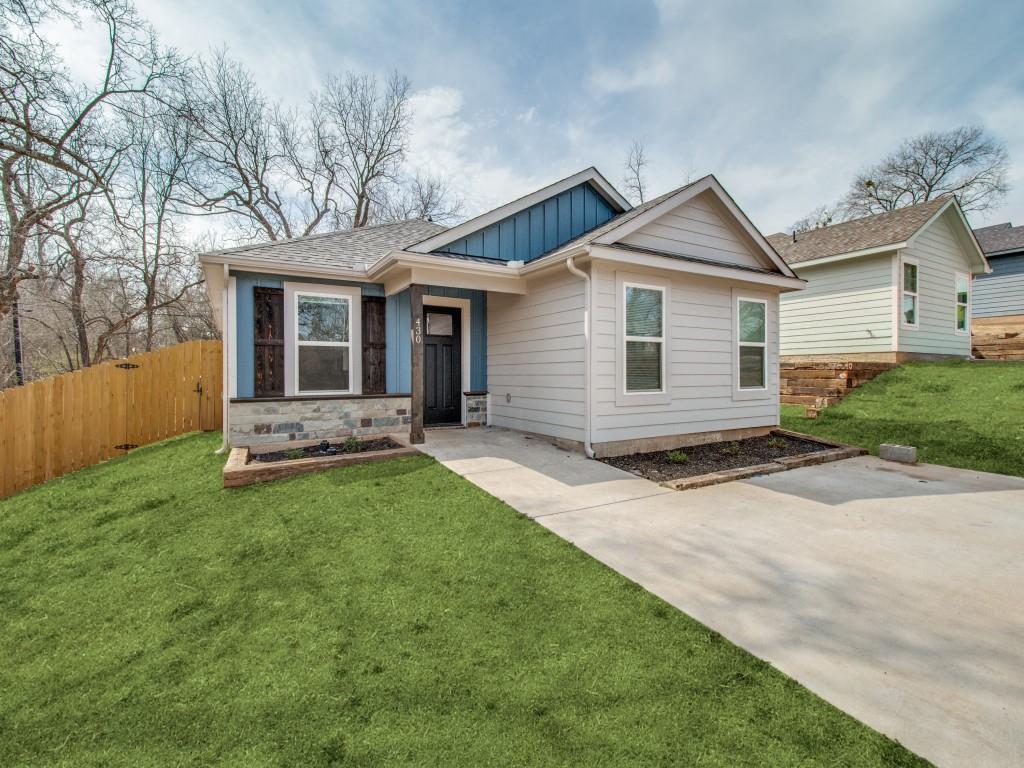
x,y
323,343
962,289
752,343
643,359
909,303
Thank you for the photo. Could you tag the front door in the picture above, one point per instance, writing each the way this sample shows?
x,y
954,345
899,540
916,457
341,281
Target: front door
x,y
442,365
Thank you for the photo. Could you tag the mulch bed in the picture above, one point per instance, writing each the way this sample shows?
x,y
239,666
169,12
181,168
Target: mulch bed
x,y
714,457
326,448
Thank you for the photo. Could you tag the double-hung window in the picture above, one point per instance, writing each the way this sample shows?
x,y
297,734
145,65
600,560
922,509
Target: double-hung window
x,y
323,340
644,308
751,342
963,298
909,304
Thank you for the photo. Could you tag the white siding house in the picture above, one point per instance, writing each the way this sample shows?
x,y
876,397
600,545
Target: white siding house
x,y
889,287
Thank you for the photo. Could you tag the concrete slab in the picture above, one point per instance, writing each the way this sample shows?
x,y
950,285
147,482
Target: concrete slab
x,y
894,592
532,475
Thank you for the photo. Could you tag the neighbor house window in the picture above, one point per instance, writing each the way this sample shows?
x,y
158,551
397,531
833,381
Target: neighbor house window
x,y
645,338
909,293
963,297
323,343
751,328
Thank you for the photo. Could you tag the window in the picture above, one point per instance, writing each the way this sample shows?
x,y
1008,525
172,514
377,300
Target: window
x,y
323,343
752,353
645,338
963,298
909,306
439,324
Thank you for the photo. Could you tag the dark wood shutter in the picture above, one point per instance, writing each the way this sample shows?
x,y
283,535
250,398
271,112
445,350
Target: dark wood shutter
x,y
374,346
268,312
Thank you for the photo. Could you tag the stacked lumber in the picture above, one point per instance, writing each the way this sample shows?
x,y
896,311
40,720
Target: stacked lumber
x,y
819,384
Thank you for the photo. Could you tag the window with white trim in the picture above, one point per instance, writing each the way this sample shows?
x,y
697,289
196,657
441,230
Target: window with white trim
x,y
909,307
963,299
644,308
751,343
323,343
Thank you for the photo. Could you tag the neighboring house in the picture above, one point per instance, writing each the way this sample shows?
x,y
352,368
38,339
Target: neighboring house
x,y
888,288
566,313
1001,293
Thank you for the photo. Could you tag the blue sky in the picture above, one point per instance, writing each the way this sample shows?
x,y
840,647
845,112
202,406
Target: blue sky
x,y
782,101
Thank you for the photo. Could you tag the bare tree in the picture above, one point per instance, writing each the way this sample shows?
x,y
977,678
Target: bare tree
x,y
634,182
420,197
274,171
965,162
370,130
821,216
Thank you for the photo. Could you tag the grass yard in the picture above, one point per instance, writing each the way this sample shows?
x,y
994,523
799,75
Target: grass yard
x,y
957,413
384,614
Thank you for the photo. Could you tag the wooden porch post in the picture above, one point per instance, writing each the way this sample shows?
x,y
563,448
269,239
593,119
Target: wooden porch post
x,y
416,332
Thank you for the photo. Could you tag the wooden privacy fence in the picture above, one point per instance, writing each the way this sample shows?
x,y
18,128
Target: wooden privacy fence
x,y
57,425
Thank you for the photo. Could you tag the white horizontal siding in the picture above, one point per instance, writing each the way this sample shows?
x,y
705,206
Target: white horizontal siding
x,y
940,256
699,227
701,354
847,307
535,357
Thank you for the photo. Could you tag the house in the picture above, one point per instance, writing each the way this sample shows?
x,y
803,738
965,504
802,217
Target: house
x,y
889,287
566,313
997,311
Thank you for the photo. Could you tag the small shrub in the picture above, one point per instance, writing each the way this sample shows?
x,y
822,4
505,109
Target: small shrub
x,y
777,444
351,445
295,453
730,449
677,457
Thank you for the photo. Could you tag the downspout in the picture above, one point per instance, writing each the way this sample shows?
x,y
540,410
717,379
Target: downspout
x,y
570,264
225,350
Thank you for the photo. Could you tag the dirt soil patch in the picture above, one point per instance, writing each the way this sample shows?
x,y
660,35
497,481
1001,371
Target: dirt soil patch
x,y
691,461
326,448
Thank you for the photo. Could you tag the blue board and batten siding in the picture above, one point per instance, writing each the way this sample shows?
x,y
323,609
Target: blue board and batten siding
x,y
1002,292
399,344
536,230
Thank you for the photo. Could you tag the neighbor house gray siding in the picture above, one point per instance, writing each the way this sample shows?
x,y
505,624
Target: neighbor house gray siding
x,y
847,307
1002,292
940,256
535,348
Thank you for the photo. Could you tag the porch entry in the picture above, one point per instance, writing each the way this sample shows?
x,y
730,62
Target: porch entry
x,y
442,364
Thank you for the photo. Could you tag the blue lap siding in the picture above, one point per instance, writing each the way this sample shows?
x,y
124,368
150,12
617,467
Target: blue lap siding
x,y
1002,292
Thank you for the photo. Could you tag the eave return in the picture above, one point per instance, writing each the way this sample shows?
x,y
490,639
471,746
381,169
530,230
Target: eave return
x,y
534,231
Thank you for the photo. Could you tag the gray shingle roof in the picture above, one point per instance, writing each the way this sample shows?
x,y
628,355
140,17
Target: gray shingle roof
x,y
349,249
875,231
1000,237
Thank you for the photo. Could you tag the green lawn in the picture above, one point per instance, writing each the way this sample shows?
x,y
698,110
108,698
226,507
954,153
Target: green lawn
x,y
961,414
385,614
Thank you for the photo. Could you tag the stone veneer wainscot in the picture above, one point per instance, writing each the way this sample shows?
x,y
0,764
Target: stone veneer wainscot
x,y
279,420
476,409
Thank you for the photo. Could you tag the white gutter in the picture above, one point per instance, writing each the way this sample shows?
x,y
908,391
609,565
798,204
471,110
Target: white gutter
x,y
573,269
225,350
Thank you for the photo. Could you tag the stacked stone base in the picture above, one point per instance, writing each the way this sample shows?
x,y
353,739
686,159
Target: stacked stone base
x,y
260,422
476,409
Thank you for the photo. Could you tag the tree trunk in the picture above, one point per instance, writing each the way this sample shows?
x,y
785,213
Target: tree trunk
x,y
78,312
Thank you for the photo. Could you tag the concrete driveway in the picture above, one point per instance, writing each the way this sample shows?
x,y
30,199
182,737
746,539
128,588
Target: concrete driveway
x,y
896,593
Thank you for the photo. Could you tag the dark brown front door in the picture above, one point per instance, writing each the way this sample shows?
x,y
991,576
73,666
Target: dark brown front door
x,y
442,365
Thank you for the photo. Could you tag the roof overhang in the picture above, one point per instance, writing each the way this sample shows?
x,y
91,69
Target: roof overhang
x,y
400,269
641,258
873,251
592,175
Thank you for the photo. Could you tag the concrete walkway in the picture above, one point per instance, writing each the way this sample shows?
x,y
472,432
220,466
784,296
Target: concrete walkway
x,y
896,593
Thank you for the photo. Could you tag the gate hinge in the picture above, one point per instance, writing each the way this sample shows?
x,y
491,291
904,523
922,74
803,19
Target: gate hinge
x,y
127,366
125,446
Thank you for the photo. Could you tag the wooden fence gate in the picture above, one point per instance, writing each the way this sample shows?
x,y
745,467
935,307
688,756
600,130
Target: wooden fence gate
x,y
57,425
